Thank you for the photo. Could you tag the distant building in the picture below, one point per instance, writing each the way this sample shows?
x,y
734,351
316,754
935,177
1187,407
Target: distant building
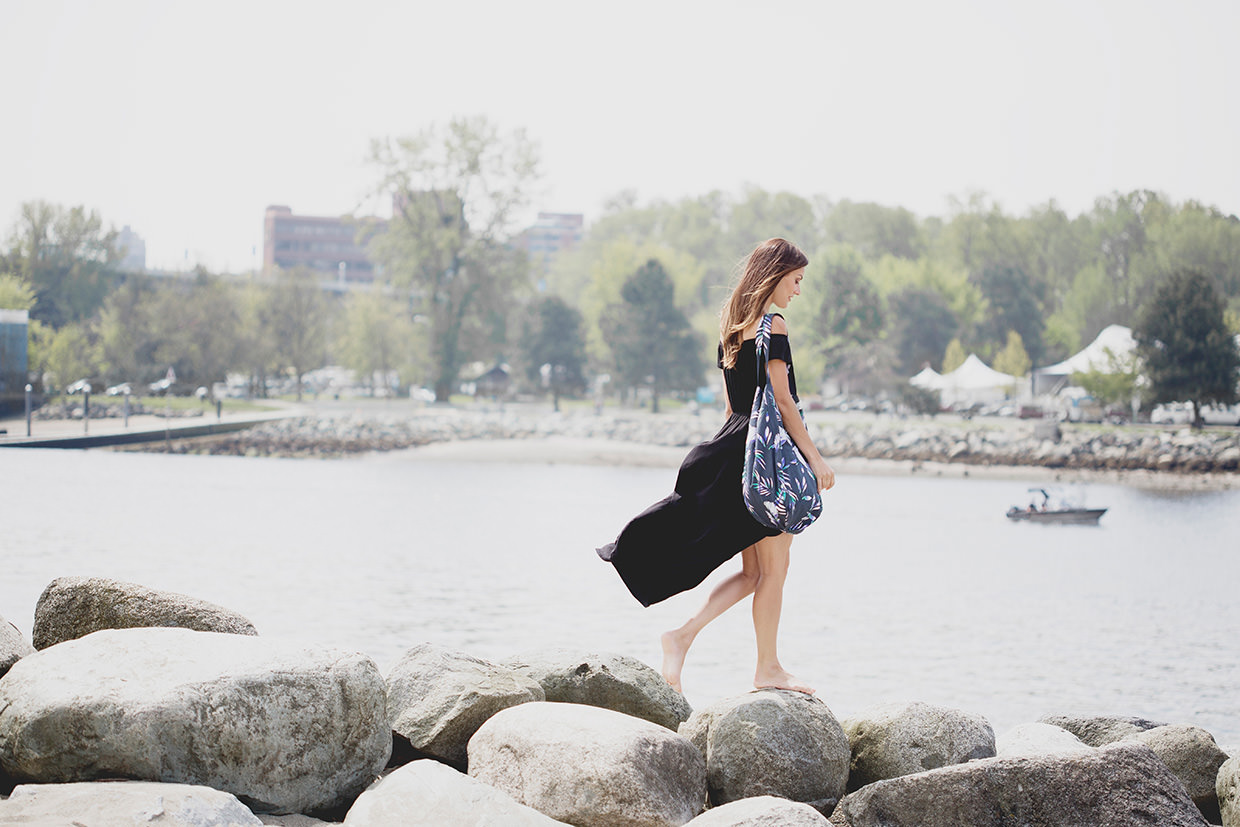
x,y
132,249
13,355
553,233
326,245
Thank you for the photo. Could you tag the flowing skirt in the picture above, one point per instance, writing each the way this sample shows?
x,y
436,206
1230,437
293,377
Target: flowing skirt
x,y
676,543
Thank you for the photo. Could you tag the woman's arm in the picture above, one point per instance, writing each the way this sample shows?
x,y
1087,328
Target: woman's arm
x,y
777,375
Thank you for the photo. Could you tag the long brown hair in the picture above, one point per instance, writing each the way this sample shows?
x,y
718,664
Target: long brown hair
x,y
767,264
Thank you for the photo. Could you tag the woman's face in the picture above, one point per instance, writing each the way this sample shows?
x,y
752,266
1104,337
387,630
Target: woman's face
x,y
789,286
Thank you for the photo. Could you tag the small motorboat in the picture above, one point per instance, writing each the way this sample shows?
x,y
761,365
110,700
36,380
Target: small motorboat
x,y
1047,511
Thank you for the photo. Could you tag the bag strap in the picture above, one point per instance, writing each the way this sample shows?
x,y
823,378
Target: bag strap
x,y
762,344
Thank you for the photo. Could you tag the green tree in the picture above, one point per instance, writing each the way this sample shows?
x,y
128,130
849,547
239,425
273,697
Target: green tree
x,y
552,348
1187,350
377,335
1013,360
1014,304
456,193
921,324
71,354
15,293
874,230
651,341
127,333
298,318
847,310
67,258
1116,384
954,356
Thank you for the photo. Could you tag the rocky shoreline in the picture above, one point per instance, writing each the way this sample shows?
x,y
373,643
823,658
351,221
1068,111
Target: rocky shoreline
x,y
1018,444
205,722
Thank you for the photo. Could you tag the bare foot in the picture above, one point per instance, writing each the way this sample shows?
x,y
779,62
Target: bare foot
x,y
674,652
779,679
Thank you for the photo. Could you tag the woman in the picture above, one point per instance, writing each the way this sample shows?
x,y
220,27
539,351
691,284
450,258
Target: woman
x,y
676,543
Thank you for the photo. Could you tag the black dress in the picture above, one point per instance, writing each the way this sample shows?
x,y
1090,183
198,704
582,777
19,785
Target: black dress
x,y
676,543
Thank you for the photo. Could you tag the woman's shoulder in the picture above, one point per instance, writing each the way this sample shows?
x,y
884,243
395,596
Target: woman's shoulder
x,y
779,327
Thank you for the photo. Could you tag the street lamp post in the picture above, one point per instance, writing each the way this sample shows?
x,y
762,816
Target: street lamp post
x,y
28,390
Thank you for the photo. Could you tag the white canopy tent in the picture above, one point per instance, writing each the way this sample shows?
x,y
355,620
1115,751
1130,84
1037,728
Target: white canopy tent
x,y
970,383
1114,342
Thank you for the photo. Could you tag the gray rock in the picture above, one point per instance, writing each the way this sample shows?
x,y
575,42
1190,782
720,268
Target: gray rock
x,y
589,766
891,740
13,645
611,681
1098,730
430,793
1192,754
1227,788
771,742
761,811
1038,739
125,802
283,728
438,698
1120,785
73,607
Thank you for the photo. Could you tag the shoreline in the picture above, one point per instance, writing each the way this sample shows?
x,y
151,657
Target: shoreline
x,y
564,450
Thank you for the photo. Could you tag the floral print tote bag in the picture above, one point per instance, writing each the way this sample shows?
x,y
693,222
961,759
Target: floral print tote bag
x,y
779,488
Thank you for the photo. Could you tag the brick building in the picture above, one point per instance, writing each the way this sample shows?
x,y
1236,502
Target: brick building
x,y
326,245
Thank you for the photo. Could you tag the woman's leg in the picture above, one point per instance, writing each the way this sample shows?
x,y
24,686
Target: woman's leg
x,y
725,595
768,600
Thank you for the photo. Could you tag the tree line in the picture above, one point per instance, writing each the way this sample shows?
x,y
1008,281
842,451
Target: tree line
x,y
886,292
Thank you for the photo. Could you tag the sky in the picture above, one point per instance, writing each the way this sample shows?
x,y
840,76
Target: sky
x,y
185,120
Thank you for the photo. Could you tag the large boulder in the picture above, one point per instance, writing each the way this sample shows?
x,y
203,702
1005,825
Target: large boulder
x,y
589,766
439,795
1098,730
285,729
1116,786
897,739
761,811
438,698
771,742
73,607
125,802
616,682
1038,739
1192,754
13,645
1227,788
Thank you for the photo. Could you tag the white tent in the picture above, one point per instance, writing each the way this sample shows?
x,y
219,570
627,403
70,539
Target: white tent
x,y
974,382
928,378
1115,341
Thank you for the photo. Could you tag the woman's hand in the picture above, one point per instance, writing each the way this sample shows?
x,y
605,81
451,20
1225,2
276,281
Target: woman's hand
x,y
823,473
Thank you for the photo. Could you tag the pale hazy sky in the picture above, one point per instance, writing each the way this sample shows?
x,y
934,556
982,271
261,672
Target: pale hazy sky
x,y
186,119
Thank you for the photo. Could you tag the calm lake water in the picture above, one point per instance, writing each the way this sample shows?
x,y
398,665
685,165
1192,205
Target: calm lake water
x,y
906,589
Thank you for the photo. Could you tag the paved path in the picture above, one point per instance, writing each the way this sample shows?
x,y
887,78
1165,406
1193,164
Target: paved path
x,y
73,433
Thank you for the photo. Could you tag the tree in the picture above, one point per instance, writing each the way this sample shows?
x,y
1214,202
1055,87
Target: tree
x,y
847,311
66,257
1015,304
552,347
1187,350
875,230
1013,360
298,316
456,193
15,293
921,325
1117,384
377,335
71,354
954,356
651,341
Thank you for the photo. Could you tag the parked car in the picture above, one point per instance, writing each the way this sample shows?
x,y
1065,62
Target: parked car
x,y
123,389
1172,413
80,386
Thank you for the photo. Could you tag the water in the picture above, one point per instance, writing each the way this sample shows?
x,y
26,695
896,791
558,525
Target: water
x,y
906,589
